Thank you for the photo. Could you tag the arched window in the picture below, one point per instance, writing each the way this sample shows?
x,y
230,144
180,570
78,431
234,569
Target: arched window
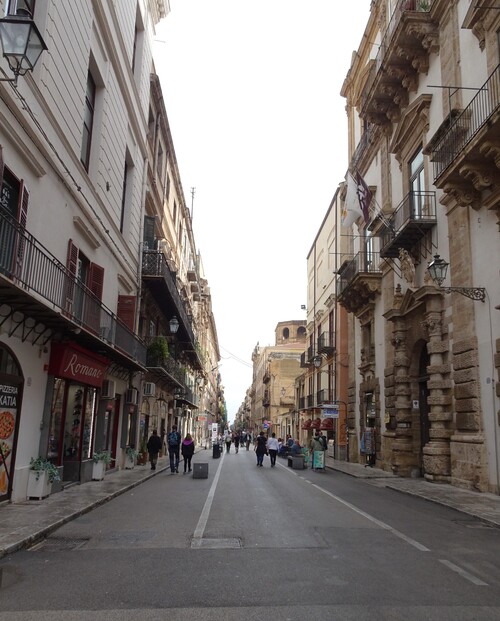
x,y
286,334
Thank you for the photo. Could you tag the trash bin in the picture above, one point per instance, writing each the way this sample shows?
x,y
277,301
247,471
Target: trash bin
x,y
216,451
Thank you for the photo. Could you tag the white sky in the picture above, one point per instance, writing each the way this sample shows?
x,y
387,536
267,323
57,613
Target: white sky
x,y
252,92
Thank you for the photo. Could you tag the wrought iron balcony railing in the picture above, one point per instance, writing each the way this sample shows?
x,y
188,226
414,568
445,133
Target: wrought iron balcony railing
x,y
467,124
362,263
408,224
29,265
326,343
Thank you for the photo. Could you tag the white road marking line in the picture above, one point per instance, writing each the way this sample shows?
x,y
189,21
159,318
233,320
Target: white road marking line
x,y
383,525
202,522
462,572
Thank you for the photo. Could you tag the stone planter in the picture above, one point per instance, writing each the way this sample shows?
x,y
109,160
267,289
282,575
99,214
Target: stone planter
x,y
38,489
98,470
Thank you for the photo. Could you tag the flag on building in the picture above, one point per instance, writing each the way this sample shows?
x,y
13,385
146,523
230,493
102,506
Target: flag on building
x,y
351,210
364,196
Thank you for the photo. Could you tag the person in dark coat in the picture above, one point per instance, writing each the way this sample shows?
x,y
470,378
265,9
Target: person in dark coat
x,y
260,448
154,447
187,450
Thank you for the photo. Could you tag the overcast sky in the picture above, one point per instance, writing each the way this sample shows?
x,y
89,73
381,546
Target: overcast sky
x,y
252,92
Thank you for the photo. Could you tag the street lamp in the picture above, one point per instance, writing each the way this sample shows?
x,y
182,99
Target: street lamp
x,y
317,360
173,325
22,44
438,269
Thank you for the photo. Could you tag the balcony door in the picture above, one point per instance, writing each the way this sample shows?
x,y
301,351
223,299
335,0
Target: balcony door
x,y
417,184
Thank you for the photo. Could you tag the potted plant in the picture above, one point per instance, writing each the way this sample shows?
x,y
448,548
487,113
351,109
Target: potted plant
x,y
101,460
41,476
158,350
142,458
130,456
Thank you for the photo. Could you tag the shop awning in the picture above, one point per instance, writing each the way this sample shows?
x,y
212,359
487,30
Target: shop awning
x,y
327,424
306,424
316,423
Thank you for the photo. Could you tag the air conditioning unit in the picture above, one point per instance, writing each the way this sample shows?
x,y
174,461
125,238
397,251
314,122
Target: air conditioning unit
x,y
108,389
131,396
149,389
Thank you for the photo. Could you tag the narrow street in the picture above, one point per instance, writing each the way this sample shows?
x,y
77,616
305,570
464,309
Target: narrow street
x,y
255,543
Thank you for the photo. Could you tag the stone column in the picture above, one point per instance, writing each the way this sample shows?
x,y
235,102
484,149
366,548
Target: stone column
x,y
436,453
403,460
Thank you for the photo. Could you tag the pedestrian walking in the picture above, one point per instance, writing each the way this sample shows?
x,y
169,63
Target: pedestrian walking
x,y
236,442
154,447
272,448
174,442
260,448
248,440
187,450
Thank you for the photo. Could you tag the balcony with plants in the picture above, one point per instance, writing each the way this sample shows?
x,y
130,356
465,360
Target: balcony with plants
x,y
160,278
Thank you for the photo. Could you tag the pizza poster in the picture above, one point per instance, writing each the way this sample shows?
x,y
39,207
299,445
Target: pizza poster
x,y
8,412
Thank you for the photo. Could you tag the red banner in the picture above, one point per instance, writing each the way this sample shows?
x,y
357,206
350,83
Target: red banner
x,y
76,363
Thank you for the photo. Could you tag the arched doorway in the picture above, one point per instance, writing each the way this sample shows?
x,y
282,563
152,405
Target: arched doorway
x,y
423,393
11,388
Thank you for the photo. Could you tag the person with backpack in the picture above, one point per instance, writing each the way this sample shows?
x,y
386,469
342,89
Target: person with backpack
x,y
174,443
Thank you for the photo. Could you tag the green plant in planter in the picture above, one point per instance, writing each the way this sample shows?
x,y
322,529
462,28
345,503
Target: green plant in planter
x,y
40,464
102,456
158,348
132,454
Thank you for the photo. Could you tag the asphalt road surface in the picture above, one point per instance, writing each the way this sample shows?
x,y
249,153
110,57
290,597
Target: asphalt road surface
x,y
253,543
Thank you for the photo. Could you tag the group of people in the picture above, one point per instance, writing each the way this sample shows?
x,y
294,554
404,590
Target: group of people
x,y
176,447
273,447
263,446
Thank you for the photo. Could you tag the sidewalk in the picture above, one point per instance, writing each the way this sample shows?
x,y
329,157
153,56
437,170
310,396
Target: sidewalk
x,y
24,523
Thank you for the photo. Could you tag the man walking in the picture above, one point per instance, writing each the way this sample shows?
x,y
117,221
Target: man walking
x,y
174,443
154,447
272,448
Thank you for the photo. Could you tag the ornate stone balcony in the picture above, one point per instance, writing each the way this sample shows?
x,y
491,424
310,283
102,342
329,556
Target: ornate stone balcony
x,y
410,38
359,281
466,149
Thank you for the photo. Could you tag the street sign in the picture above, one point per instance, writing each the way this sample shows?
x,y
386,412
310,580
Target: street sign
x,y
330,410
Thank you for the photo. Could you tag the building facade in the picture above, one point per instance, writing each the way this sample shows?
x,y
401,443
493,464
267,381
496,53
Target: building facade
x,y
97,256
423,101
275,368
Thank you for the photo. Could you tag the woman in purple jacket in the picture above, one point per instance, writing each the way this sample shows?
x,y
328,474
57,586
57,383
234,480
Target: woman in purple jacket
x,y
187,451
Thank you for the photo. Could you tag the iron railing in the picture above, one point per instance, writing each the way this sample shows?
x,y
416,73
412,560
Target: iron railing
x,y
415,207
310,401
155,264
467,124
25,261
362,263
326,342
325,395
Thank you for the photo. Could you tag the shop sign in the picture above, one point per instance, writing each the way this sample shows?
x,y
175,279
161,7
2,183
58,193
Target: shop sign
x,y
75,363
8,413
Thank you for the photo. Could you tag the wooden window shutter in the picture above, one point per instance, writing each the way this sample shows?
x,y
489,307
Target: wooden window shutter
x,y
149,233
96,280
22,218
1,166
93,304
69,289
126,310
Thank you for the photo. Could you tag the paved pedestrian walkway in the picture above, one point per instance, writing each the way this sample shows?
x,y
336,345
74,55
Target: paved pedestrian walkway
x,y
24,523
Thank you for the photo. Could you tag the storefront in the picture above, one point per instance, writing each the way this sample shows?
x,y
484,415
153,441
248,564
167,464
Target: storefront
x,y
11,385
78,375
